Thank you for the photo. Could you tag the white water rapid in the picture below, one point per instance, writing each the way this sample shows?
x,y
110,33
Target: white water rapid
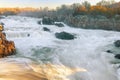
x,y
41,56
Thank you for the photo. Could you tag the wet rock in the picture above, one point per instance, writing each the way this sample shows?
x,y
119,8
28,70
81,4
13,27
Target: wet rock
x,y
117,56
39,22
6,47
28,35
109,51
47,21
59,24
117,43
1,27
2,36
46,29
64,36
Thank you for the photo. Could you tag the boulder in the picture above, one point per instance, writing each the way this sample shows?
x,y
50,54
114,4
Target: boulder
x,y
117,43
2,36
9,48
47,21
64,36
117,56
59,24
6,47
28,35
39,22
109,51
46,29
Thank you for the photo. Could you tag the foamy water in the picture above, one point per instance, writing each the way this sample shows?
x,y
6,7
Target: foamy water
x,y
41,56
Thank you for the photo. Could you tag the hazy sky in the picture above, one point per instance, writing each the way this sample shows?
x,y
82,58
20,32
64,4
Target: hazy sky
x,y
41,3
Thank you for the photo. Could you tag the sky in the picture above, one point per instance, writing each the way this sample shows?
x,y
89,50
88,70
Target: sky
x,y
41,3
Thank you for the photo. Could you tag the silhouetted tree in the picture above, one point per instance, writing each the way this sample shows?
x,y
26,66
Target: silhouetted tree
x,y
86,4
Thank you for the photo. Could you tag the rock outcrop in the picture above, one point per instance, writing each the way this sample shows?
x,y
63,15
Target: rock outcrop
x,y
46,29
47,21
39,22
117,43
109,51
64,36
6,47
117,56
59,24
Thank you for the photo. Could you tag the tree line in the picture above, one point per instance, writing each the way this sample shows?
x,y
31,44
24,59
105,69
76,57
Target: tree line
x,y
104,15
103,8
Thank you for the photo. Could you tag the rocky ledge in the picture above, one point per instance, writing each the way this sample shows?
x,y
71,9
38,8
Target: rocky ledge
x,y
7,48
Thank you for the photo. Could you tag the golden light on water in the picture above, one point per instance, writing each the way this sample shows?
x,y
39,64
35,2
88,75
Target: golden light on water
x,y
13,71
55,72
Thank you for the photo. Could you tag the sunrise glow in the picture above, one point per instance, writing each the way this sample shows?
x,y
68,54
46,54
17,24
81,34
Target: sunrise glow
x,y
42,3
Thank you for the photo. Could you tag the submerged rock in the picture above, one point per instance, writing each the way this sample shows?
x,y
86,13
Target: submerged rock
x,y
109,51
39,22
117,56
46,29
59,24
28,35
6,47
117,43
47,21
64,36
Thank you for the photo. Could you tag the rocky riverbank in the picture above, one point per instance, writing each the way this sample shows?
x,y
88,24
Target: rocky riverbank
x,y
6,47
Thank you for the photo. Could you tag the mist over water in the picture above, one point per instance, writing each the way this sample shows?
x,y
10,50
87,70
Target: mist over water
x,y
41,56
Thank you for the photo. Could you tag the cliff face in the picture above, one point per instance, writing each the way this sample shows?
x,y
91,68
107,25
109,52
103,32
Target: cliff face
x,y
6,47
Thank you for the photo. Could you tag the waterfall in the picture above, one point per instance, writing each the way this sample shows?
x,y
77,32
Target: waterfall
x,y
18,34
41,56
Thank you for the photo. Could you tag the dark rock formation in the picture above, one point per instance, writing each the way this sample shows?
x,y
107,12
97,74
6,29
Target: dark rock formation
x,y
6,47
39,22
47,21
109,51
117,43
46,29
59,24
28,35
64,36
117,56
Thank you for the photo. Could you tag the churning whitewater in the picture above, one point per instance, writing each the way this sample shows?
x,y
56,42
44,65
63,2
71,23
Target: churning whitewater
x,y
41,56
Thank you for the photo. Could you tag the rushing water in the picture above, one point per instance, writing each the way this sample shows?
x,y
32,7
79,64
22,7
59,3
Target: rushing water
x,y
40,56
